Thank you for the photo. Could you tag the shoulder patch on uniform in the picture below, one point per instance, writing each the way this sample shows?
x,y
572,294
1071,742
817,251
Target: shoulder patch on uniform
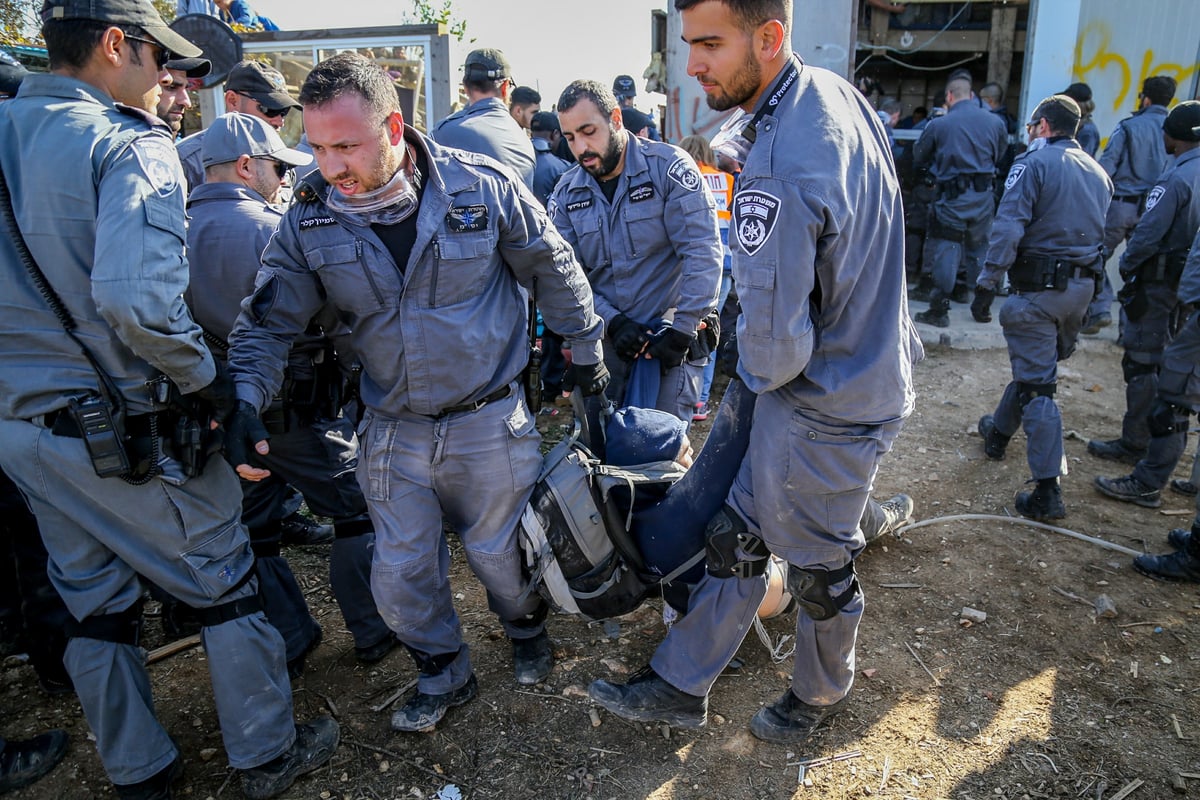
x,y
1155,195
579,205
159,162
643,191
463,219
316,222
754,216
684,172
1014,175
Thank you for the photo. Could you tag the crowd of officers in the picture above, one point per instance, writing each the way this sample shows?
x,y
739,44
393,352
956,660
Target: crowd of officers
x,y
367,346
1061,215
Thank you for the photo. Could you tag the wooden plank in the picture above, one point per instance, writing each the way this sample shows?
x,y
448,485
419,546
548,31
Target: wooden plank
x,y
1000,45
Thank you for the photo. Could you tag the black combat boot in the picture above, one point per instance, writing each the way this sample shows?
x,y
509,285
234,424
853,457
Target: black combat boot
x,y
1179,566
938,314
1043,503
1178,537
790,720
994,442
648,698
1116,450
532,659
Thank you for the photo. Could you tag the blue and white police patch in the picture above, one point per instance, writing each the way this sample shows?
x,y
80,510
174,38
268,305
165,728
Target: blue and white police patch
x,y
159,163
643,191
684,172
1014,175
463,219
754,215
1155,195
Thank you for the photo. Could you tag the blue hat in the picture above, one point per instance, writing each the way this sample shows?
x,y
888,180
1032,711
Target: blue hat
x,y
642,436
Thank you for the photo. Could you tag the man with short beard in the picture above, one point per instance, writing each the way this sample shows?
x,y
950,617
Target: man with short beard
x,y
645,230
825,342
175,100
422,251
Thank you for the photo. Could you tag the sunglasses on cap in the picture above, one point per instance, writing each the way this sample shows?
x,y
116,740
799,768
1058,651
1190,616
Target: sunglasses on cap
x,y
161,55
267,112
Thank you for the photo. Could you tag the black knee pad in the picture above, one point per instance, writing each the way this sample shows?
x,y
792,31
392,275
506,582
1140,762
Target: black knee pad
x,y
354,526
810,589
1134,369
1027,391
226,612
429,665
726,535
122,627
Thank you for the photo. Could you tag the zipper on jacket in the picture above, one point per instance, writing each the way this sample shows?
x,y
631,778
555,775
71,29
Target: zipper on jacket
x,y
358,256
437,263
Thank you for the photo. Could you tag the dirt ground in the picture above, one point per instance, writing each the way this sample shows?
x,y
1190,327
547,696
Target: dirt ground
x,y
1043,699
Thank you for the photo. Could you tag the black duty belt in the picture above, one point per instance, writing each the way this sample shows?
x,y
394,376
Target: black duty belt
x,y
61,423
1127,198
499,394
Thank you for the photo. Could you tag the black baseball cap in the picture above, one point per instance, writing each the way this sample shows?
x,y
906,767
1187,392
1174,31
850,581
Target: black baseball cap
x,y
12,72
634,120
192,67
544,121
122,12
484,64
1183,123
624,86
262,82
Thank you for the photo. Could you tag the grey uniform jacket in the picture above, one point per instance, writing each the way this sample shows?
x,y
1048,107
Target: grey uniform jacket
x,y
656,246
1134,156
1189,283
548,170
1055,201
1172,214
486,127
189,156
450,326
99,197
818,258
966,140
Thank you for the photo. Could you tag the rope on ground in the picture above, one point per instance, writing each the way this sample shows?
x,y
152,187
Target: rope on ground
x,y
1020,521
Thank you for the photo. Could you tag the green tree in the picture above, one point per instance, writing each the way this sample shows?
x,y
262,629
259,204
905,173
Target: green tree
x,y
424,13
19,22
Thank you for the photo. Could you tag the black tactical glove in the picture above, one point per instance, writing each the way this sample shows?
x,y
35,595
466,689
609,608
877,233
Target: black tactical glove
x,y
219,396
628,337
590,378
242,432
670,347
1164,417
981,306
728,354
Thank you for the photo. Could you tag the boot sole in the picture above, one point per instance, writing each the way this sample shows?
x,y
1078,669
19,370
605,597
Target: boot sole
x,y
1158,576
1144,502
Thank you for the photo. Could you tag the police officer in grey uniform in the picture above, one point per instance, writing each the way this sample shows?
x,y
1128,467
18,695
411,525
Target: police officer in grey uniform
x,y
1151,266
963,150
1047,237
644,227
1135,159
313,447
544,132
818,245
485,125
423,252
252,88
1178,397
101,211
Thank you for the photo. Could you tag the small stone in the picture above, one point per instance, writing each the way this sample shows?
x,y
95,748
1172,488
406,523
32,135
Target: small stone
x,y
384,766
869,673
208,753
716,719
973,615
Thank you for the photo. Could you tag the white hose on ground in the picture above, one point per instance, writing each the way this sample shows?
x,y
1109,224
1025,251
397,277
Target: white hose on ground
x,y
1019,521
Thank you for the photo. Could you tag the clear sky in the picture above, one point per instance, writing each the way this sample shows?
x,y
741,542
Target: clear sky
x,y
548,42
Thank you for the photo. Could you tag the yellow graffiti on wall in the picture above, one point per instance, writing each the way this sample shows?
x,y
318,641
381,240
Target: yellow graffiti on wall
x,y
1094,54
